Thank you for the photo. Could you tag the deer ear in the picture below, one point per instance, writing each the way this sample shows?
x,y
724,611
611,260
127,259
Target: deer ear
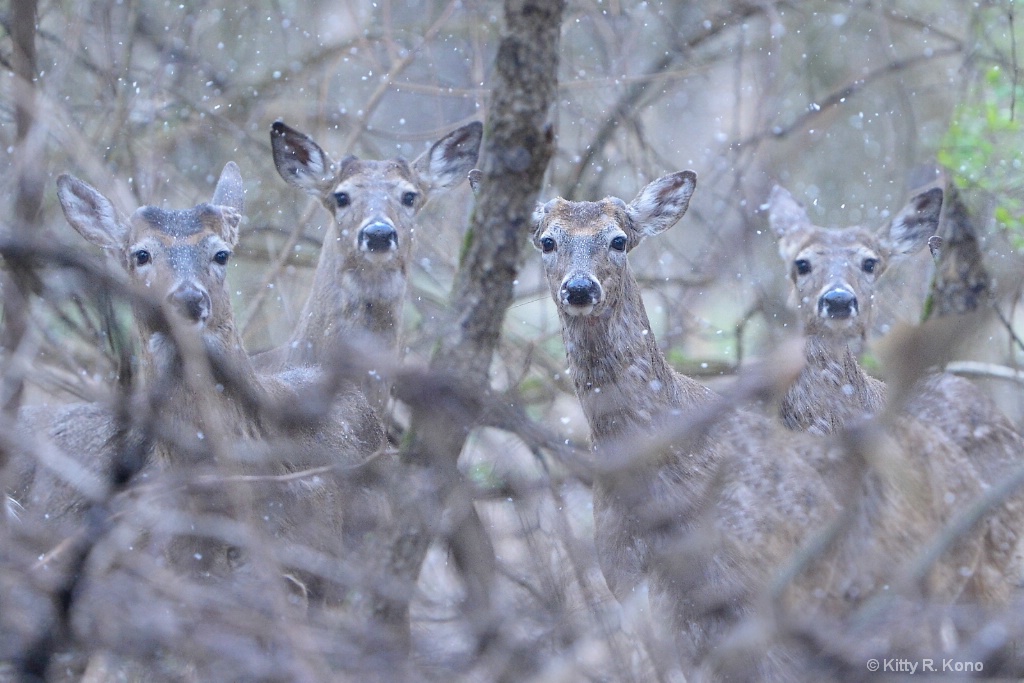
x,y
90,213
232,219
300,161
784,212
450,159
230,191
220,219
662,203
476,176
914,224
541,211
787,218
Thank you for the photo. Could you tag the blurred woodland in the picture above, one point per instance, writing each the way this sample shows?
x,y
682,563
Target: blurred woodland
x,y
849,104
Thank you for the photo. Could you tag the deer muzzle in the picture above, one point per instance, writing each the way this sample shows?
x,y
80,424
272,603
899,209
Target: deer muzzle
x,y
580,294
838,304
191,303
378,237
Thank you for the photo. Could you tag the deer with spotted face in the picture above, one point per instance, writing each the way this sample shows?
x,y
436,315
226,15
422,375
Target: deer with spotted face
x,y
834,273
179,258
360,280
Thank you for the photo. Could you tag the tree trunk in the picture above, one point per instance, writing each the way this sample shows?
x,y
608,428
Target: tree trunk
x,y
28,198
961,283
518,144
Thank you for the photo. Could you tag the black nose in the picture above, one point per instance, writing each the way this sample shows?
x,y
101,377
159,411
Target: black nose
x,y
837,303
378,237
581,291
191,302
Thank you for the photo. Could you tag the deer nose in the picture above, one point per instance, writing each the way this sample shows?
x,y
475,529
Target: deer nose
x,y
581,291
837,303
378,237
191,303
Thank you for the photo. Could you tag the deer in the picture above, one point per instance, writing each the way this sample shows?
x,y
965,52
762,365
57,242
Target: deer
x,y
181,258
361,277
834,274
711,519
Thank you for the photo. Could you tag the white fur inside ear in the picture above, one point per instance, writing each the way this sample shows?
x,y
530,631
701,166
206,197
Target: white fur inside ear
x,y
914,224
232,219
785,214
538,214
662,202
542,210
230,191
300,161
450,159
319,166
90,213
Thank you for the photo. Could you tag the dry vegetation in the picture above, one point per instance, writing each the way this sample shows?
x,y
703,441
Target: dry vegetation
x,y
488,568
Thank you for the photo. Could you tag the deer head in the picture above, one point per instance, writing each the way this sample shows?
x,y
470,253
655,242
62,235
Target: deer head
x,y
180,256
584,244
374,203
834,272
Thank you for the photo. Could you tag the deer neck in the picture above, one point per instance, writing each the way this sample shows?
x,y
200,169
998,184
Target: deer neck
x,y
352,300
174,383
627,389
832,388
621,376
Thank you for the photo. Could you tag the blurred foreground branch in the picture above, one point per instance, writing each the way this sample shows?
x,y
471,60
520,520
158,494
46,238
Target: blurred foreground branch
x,y
517,146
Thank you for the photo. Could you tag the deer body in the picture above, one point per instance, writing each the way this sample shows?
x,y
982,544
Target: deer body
x,y
728,489
712,521
834,273
181,257
360,280
831,391
359,286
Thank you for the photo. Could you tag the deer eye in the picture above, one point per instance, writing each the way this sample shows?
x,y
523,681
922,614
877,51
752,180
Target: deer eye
x,y
803,266
619,243
409,198
221,257
142,257
342,199
547,245
869,265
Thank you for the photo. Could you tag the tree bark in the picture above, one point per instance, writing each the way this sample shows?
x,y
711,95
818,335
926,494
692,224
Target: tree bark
x,y
518,144
961,283
28,198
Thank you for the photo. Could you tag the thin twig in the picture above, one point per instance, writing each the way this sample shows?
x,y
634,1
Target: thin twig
x,y
841,96
632,97
1013,58
249,314
1009,327
388,80
969,368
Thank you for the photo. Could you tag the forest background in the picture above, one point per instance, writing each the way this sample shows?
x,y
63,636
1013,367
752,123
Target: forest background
x,y
842,102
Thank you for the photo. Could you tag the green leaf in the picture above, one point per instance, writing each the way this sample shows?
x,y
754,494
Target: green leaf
x,y
983,147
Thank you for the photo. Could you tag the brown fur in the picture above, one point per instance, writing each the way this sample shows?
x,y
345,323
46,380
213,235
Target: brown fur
x,y
626,389
357,295
182,264
833,390
713,521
